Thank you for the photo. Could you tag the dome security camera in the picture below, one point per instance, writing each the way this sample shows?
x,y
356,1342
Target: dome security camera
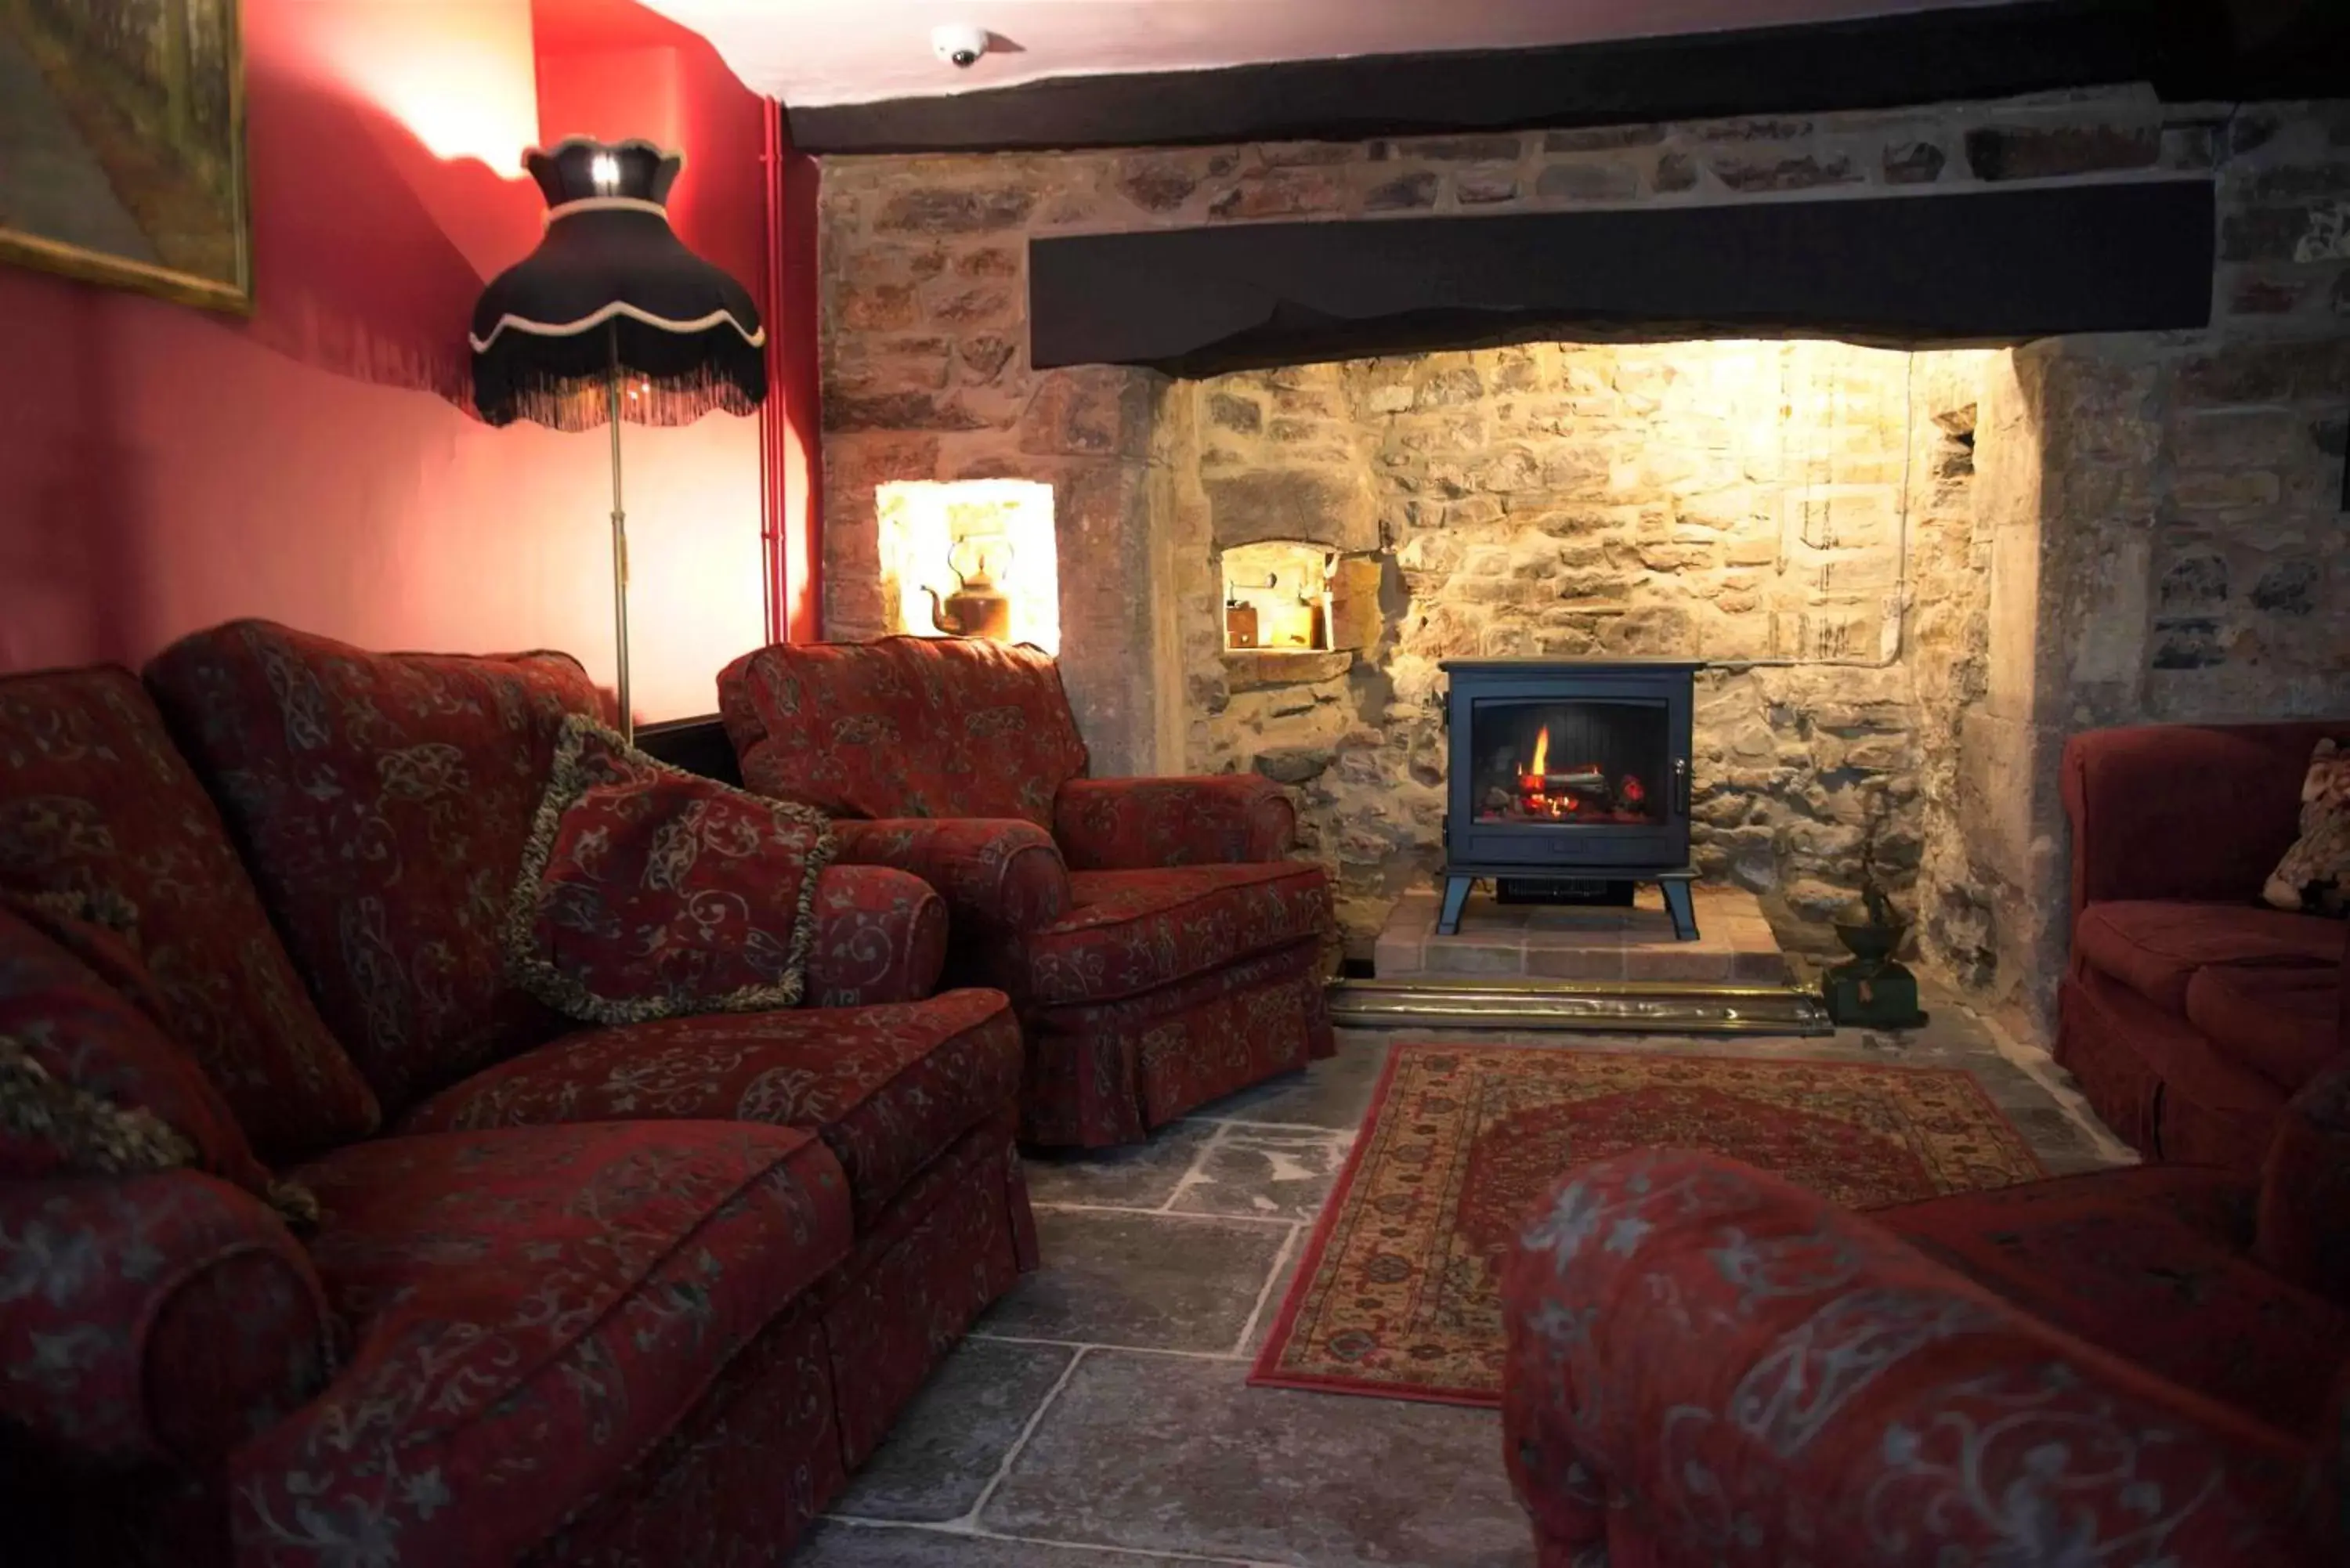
x,y
959,46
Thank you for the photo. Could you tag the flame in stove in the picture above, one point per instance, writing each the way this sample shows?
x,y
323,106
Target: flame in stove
x,y
1542,754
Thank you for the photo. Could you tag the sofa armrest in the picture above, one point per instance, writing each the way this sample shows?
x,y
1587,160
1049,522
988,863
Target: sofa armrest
x,y
880,936
1740,1372
1136,825
2303,1227
2184,811
998,877
166,1316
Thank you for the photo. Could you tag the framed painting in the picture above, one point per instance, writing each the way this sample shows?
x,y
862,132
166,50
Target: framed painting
x,y
122,145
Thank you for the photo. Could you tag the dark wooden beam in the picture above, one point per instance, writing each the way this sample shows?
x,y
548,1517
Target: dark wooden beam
x,y
2189,50
1985,267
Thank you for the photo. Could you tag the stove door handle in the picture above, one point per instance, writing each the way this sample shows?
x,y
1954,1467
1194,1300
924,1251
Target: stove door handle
x,y
1681,785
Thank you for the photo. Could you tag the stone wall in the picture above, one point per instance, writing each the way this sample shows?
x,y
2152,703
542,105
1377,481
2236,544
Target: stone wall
x,y
2153,533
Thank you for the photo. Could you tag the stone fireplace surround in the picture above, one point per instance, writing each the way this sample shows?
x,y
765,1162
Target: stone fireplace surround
x,y
1961,555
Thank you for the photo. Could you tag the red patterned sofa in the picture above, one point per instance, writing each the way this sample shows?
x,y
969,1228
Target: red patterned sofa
x,y
1159,947
1710,1367
2190,1011
614,1296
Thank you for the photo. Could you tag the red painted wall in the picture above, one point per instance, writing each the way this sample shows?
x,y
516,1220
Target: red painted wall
x,y
162,468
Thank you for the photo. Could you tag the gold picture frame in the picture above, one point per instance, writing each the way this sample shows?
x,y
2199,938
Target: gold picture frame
x,y
123,125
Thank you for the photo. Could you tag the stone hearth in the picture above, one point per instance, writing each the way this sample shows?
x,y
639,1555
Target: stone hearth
x,y
1571,942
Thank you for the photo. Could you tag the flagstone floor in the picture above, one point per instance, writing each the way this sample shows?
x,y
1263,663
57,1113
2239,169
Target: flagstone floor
x,y
1099,1416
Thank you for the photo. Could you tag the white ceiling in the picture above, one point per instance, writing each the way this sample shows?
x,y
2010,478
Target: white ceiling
x,y
812,52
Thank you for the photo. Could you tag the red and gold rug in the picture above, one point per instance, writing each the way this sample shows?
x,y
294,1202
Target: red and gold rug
x,y
1397,1292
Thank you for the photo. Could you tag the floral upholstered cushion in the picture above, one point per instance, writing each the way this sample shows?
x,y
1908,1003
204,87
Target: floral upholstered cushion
x,y
2315,875
906,726
169,1316
1708,1367
648,892
96,804
382,801
888,1088
532,1312
1132,931
89,1084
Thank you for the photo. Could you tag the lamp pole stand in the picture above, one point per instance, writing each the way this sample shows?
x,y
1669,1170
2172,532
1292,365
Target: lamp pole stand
x,y
619,540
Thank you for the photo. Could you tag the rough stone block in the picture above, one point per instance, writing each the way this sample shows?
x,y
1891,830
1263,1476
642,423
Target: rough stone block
x,y
1676,172
1333,507
985,354
1096,411
1913,163
1283,193
2192,642
878,307
984,304
2266,372
1246,671
951,211
2041,152
1788,173
2290,587
2303,232
1602,137
1588,182
909,411
1157,184
1485,187
2220,489
988,261
1402,194
1463,149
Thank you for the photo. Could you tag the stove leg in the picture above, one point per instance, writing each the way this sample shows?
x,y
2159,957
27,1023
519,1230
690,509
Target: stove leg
x,y
1456,896
1677,905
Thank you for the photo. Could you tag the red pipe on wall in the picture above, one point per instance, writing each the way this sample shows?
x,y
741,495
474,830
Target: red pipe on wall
x,y
791,455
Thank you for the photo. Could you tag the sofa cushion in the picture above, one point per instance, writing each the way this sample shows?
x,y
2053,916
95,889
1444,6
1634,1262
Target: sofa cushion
x,y
647,892
2313,876
2284,1024
144,1318
2149,1263
530,1310
383,802
2303,1228
888,1088
906,726
96,803
1131,931
2158,1081
2155,945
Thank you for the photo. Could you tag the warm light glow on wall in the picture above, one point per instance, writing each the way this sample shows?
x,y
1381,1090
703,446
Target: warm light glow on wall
x,y
458,75
930,533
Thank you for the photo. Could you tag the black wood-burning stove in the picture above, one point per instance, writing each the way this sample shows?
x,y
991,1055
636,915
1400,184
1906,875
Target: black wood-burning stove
x,y
1569,781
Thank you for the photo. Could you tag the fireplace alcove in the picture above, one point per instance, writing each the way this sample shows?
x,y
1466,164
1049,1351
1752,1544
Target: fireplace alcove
x,y
1830,418
1817,467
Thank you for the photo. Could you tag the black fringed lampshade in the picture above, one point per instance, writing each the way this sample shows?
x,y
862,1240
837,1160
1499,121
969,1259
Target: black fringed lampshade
x,y
611,276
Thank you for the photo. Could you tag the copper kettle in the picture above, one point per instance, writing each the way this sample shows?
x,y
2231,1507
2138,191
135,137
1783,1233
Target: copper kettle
x,y
977,608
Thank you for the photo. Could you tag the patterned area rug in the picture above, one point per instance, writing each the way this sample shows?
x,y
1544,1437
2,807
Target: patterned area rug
x,y
1397,1294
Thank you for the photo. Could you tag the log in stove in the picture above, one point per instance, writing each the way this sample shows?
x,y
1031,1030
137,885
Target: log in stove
x,y
1569,781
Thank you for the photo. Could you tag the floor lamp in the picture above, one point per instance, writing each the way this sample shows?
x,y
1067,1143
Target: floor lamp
x,y
612,317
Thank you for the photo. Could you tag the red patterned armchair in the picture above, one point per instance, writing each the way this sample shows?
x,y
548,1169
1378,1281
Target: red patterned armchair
x,y
1710,1367
1160,947
640,1295
2190,1012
